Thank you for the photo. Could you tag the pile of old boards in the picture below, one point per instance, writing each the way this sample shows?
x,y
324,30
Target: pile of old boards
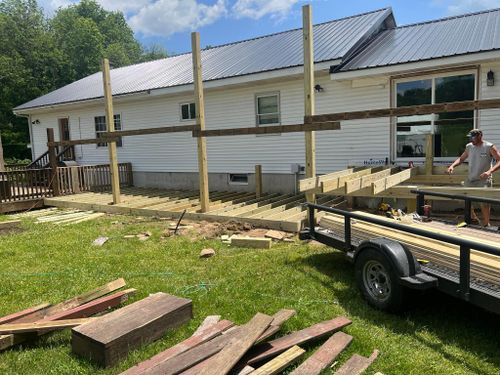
x,y
484,266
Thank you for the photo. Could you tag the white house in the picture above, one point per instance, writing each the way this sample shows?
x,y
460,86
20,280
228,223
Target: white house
x,y
361,62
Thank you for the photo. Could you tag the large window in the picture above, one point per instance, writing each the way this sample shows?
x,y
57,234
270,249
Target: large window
x,y
449,129
100,128
268,109
188,111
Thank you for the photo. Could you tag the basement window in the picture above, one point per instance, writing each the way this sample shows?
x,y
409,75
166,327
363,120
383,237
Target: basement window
x,y
100,128
188,111
238,179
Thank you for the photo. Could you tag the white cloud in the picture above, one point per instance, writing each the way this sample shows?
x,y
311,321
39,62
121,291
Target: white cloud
x,y
166,17
456,7
126,6
259,8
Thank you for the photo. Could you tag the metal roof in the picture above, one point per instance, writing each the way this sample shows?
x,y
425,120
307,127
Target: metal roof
x,y
332,40
464,34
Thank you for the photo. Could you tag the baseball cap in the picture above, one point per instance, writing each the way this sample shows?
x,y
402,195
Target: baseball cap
x,y
474,132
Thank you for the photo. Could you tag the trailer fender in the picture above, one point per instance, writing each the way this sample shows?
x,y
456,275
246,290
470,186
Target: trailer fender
x,y
401,259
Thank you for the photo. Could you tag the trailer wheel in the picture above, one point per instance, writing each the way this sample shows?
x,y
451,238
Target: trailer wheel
x,y
378,282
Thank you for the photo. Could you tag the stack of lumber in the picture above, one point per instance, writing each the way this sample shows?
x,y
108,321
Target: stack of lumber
x,y
220,347
484,267
59,217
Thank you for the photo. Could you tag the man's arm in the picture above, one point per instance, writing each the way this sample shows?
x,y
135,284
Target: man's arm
x,y
457,162
496,155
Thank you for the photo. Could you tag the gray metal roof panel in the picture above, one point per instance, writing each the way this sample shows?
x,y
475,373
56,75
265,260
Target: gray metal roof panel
x,y
459,35
333,40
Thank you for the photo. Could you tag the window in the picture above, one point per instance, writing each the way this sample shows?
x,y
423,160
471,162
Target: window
x,y
100,128
449,129
268,109
238,179
188,111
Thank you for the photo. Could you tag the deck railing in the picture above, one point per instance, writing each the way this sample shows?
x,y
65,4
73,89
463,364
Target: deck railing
x,y
28,184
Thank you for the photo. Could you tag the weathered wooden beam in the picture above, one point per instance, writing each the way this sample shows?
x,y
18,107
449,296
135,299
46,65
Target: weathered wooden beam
x,y
278,319
258,180
270,129
20,314
54,176
278,364
393,180
12,328
208,322
365,181
357,364
200,122
425,109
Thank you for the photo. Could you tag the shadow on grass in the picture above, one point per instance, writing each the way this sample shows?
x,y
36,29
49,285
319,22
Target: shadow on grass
x,y
453,321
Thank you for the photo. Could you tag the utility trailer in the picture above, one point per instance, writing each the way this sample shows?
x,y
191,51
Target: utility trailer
x,y
386,270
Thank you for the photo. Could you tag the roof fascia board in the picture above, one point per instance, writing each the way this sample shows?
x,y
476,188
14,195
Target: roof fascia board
x,y
416,66
188,88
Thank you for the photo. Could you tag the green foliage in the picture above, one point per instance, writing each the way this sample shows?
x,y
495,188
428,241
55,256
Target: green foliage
x,y
38,55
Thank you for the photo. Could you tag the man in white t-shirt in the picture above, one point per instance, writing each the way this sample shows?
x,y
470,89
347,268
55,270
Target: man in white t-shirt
x,y
480,154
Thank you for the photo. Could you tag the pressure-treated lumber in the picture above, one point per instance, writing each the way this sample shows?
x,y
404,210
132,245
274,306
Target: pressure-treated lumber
x,y
363,182
110,338
266,129
357,364
155,362
253,242
200,121
12,328
20,314
224,361
110,126
424,109
441,179
278,364
325,355
395,179
314,183
258,180
272,348
429,153
309,104
337,185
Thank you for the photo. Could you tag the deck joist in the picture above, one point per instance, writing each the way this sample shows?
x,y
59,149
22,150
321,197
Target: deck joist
x,y
274,211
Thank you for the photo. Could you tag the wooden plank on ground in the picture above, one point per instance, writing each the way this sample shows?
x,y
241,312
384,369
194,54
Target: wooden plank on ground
x,y
278,319
279,345
279,363
107,340
325,355
225,360
20,314
12,328
10,224
388,182
314,183
253,242
154,363
207,323
357,364
365,181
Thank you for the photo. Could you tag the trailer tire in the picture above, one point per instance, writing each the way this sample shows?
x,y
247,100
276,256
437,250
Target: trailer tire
x,y
378,281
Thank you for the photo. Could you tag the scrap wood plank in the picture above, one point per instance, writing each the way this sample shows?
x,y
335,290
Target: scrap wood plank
x,y
110,338
208,322
272,348
279,363
278,319
357,364
253,242
20,314
86,218
393,180
314,183
324,356
337,185
366,181
11,328
155,362
225,360
10,224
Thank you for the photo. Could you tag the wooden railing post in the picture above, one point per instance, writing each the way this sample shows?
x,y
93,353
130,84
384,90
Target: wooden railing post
x,y
200,122
110,123
54,176
258,180
310,142
75,180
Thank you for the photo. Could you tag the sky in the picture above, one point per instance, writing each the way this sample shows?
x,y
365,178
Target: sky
x,y
170,22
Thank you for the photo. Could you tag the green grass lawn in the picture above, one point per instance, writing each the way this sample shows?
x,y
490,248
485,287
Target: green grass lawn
x,y
46,262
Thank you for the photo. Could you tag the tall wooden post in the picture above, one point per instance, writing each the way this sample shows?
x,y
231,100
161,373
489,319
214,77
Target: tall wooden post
x,y
54,175
2,161
200,121
429,153
110,125
258,180
309,93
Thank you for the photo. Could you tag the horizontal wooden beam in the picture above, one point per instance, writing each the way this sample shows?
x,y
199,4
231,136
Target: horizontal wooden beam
x,y
388,182
271,129
443,179
404,191
425,109
338,184
314,183
365,181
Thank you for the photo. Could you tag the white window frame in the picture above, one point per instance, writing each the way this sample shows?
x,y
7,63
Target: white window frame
x,y
432,77
98,132
189,111
257,114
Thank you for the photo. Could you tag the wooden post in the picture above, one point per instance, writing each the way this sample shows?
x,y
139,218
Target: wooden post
x,y
54,175
429,153
110,124
2,161
75,180
309,93
200,121
258,180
